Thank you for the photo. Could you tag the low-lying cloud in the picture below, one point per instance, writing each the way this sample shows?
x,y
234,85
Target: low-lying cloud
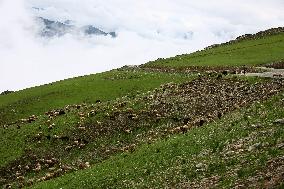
x,y
145,30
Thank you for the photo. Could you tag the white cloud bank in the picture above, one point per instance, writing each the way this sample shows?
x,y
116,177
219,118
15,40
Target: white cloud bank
x,y
146,30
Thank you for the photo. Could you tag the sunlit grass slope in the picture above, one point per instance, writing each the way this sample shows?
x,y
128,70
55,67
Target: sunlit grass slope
x,y
88,89
246,52
137,127
229,151
114,84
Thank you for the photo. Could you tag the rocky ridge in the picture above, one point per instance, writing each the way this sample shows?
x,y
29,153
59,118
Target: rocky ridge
x,y
52,28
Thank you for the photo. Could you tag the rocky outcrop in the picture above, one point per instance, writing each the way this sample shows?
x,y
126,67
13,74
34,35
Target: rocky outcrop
x,y
56,29
276,65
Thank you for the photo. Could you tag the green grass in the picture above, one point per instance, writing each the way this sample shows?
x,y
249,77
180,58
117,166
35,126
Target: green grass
x,y
15,142
168,163
106,87
158,159
247,52
115,84
21,146
88,89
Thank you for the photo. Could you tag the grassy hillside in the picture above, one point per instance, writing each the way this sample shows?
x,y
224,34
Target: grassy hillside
x,y
114,84
246,52
243,149
158,125
88,89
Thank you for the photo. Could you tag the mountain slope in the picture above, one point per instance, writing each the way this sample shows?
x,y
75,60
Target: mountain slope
x,y
267,49
249,52
168,123
88,89
233,152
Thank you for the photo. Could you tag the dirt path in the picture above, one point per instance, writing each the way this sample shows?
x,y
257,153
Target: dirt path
x,y
268,72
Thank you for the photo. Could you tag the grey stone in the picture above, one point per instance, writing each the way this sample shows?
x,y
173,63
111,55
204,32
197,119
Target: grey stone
x,y
279,121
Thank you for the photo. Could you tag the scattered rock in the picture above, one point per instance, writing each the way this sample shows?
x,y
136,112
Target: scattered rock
x,y
128,131
279,121
255,146
67,148
27,167
21,178
84,165
38,167
192,104
256,125
8,186
251,148
91,113
87,164
51,126
281,145
200,166
30,182
82,128
276,65
265,144
31,119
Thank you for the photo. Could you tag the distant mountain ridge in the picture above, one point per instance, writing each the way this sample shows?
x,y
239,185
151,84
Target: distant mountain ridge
x,y
53,28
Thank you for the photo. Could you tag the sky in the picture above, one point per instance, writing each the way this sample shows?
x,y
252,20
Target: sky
x,y
146,30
